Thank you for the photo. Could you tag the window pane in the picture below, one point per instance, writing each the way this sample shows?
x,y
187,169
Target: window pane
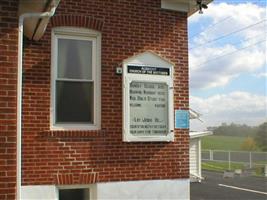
x,y
74,102
148,109
74,59
74,194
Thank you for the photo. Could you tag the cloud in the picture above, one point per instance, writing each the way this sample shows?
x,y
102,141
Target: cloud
x,y
207,73
237,107
231,16
261,75
215,64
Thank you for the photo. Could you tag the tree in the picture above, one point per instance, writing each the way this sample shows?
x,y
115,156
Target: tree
x,y
249,144
235,130
261,136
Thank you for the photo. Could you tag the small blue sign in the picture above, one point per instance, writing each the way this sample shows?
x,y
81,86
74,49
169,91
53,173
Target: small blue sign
x,y
182,119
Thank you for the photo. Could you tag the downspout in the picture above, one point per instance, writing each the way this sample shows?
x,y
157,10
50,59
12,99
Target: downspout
x,y
199,178
19,89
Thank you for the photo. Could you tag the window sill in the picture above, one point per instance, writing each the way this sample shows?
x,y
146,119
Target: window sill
x,y
73,134
74,127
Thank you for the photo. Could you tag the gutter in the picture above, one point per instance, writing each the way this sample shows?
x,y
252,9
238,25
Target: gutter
x,y
19,89
40,21
196,134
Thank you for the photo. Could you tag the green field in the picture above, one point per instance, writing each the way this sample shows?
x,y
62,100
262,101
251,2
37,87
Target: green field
x,y
222,143
221,166
227,143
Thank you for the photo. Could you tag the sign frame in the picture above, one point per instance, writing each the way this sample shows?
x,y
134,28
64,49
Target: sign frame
x,y
128,78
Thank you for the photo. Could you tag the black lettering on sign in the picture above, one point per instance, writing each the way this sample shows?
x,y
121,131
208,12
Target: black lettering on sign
x,y
132,69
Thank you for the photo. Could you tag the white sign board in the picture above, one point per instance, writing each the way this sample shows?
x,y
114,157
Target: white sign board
x,y
148,109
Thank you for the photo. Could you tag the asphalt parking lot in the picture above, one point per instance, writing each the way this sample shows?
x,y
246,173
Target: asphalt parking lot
x,y
215,187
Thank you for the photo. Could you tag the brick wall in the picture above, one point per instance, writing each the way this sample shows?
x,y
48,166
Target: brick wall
x,y
8,81
82,157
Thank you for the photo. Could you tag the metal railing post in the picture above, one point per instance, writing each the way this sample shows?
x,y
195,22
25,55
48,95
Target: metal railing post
x,y
211,155
229,160
250,160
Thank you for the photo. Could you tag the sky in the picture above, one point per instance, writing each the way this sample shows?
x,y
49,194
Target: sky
x,y
228,64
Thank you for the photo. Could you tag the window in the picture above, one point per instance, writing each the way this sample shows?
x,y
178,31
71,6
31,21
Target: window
x,y
75,79
76,193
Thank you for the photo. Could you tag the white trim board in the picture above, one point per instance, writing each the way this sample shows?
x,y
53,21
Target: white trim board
x,y
178,189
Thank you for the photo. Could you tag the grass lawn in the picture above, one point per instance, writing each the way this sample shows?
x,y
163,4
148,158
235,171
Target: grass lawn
x,y
222,143
227,143
221,166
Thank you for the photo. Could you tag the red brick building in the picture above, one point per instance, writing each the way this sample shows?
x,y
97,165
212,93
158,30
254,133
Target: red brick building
x,y
80,133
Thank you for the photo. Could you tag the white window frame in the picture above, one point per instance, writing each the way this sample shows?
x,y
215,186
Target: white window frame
x,y
128,79
81,34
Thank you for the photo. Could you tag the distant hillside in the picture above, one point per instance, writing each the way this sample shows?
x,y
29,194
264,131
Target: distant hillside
x,y
234,130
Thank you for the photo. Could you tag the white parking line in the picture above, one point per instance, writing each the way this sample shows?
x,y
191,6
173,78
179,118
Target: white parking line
x,y
244,189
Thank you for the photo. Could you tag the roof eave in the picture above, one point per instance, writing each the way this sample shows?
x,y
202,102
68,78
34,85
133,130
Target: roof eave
x,y
34,28
187,6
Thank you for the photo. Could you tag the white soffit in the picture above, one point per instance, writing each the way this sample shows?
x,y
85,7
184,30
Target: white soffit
x,y
34,28
188,6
